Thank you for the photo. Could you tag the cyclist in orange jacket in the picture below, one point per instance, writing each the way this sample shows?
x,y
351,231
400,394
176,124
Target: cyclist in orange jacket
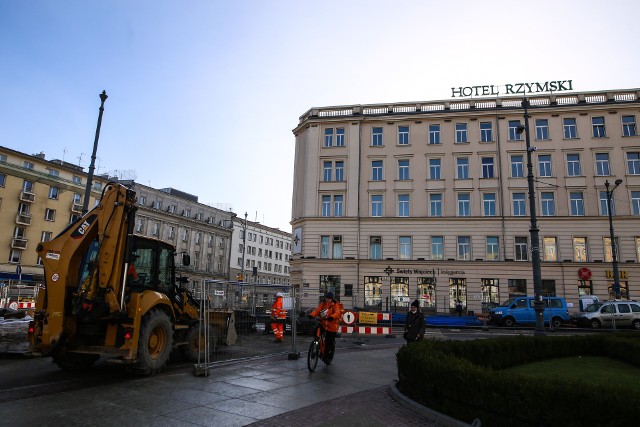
x,y
328,312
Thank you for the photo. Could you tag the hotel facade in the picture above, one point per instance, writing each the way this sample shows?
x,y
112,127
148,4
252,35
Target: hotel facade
x,y
429,200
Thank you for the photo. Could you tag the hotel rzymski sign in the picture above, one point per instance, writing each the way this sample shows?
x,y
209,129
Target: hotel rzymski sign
x,y
512,89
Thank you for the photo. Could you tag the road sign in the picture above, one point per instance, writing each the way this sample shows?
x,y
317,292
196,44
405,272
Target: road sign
x,y
348,317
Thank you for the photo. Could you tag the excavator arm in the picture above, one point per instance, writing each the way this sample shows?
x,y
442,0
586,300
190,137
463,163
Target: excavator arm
x,y
85,269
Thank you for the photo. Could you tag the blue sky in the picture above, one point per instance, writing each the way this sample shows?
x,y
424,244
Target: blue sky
x,y
203,95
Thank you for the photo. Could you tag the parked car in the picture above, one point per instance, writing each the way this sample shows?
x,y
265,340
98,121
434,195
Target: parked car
x,y
603,315
520,311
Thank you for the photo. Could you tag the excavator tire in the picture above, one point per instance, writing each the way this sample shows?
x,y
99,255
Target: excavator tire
x,y
195,347
156,340
75,362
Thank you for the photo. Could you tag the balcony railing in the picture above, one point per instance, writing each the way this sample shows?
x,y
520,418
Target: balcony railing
x,y
76,207
26,196
23,219
18,243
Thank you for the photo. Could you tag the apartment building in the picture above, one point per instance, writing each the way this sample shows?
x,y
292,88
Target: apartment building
x,y
38,199
264,251
429,200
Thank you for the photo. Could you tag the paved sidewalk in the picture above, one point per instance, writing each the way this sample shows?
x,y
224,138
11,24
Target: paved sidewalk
x,y
264,392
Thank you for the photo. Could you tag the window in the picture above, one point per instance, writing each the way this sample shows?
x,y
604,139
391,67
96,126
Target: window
x,y
435,204
486,132
326,205
519,206
550,249
3,179
324,246
54,172
376,170
487,167
489,204
27,165
403,170
542,129
573,165
435,168
602,164
548,203
338,205
608,255
403,205
339,171
45,236
3,158
597,123
544,165
405,247
629,126
633,163
185,236
580,249
517,166
49,214
464,248
576,203
604,208
464,204
337,247
569,128
513,130
14,256
434,134
27,186
461,133
376,205
54,192
328,170
517,287
462,168
521,249
328,137
437,247
77,179
493,249
139,225
376,137
375,247
403,135
635,203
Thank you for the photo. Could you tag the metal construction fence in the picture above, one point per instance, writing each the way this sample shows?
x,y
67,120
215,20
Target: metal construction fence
x,y
248,331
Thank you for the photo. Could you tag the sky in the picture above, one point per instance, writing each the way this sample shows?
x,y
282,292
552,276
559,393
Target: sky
x,y
203,95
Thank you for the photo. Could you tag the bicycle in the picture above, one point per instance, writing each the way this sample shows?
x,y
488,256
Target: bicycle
x,y
316,348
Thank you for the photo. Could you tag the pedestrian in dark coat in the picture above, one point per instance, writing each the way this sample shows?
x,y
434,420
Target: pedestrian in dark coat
x,y
414,326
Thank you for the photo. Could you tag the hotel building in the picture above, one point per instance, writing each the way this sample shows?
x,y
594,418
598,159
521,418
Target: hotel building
x,y
429,200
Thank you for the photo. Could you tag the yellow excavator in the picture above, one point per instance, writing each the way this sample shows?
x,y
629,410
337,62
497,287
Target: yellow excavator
x,y
109,292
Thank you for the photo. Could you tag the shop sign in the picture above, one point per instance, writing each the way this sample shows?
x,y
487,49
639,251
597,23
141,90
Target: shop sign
x,y
623,274
512,89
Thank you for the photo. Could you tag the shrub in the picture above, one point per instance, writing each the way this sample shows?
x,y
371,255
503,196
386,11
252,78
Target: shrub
x,y
464,379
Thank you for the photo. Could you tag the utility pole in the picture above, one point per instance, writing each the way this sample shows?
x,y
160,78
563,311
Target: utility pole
x,y
87,191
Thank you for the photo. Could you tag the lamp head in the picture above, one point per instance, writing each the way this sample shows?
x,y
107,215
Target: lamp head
x,y
618,181
520,129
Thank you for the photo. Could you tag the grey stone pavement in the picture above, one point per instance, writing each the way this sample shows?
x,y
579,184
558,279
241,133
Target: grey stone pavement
x,y
358,389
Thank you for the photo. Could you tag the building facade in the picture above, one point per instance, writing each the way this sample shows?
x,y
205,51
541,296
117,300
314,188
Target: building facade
x,y
265,252
429,200
202,231
39,198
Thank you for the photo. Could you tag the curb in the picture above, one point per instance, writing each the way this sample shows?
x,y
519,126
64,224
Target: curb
x,y
422,410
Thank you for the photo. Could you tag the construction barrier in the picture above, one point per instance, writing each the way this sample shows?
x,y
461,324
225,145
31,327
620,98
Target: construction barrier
x,y
366,323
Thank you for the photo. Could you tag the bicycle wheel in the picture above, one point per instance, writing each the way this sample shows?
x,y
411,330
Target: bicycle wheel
x,y
313,355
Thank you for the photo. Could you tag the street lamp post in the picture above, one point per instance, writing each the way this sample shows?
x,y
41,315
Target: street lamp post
x,y
87,191
614,252
538,305
244,246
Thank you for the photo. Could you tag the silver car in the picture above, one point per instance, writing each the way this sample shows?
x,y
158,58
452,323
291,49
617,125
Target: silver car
x,y
606,314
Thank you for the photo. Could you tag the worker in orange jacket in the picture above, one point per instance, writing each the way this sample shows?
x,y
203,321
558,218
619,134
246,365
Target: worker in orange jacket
x,y
278,318
329,313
